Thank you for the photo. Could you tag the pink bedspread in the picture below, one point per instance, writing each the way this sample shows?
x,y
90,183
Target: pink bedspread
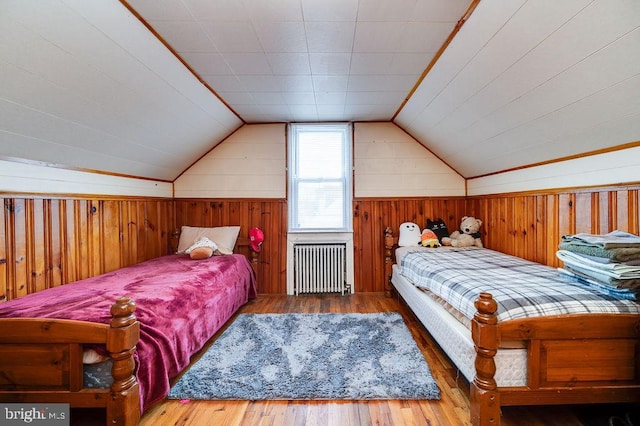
x,y
180,303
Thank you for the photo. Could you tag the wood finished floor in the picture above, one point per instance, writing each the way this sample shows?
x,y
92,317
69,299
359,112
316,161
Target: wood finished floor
x,y
451,409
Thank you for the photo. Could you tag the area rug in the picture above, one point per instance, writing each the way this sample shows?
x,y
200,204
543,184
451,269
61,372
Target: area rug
x,y
311,356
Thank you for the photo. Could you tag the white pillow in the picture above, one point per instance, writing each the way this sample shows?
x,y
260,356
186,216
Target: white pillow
x,y
224,236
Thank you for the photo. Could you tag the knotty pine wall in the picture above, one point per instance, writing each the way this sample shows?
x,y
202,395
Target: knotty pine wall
x,y
530,225
373,215
50,241
47,242
270,215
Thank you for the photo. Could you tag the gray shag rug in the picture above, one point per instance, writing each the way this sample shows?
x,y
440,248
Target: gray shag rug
x,y
310,356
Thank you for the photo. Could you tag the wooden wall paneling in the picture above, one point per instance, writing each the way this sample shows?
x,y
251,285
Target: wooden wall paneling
x,y
273,260
3,253
50,242
132,235
371,216
155,228
604,216
566,214
281,270
109,249
363,247
531,225
268,215
38,251
19,248
633,214
6,256
539,230
583,207
55,243
552,218
94,230
624,210
70,266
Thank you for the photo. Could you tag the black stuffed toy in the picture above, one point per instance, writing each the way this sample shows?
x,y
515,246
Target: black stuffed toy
x,y
438,227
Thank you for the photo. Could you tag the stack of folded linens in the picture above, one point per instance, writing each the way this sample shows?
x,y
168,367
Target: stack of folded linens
x,y
608,262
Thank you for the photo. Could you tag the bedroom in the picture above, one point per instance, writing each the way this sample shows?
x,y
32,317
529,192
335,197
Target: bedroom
x,y
112,139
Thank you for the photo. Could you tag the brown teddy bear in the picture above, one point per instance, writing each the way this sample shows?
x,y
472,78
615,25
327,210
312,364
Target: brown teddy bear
x,y
470,235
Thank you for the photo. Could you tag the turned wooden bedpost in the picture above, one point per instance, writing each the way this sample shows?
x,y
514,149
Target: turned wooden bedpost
x,y
388,259
254,259
485,398
123,407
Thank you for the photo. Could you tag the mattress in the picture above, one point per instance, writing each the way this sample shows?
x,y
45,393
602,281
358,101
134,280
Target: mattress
x,y
455,338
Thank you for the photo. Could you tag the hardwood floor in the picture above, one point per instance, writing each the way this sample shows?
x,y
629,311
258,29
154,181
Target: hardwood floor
x,y
451,409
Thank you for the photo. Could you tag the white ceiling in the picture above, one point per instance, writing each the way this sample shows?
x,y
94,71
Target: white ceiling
x,y
88,84
306,60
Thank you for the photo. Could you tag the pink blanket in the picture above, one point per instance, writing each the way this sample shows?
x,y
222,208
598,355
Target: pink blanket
x,y
180,303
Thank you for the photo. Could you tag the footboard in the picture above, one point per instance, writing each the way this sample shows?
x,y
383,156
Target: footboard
x,y
571,359
41,361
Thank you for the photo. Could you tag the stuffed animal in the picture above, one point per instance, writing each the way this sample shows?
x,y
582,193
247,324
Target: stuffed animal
x,y
438,227
470,235
409,235
204,248
429,239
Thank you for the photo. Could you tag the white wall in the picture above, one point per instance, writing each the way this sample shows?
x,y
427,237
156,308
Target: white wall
x,y
251,163
390,163
610,168
26,178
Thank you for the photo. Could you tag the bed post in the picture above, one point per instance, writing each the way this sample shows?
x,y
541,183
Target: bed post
x,y
254,259
485,399
388,259
123,408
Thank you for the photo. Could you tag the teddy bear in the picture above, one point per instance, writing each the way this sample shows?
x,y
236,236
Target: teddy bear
x,y
470,235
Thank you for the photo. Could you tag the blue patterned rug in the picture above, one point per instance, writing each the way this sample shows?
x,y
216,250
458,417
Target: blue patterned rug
x,y
311,356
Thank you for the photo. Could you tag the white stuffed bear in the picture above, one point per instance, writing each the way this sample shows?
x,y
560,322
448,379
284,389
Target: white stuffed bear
x,y
470,235
410,235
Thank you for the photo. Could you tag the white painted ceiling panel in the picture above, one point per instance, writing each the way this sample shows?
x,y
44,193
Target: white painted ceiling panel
x,y
92,88
524,92
103,84
302,40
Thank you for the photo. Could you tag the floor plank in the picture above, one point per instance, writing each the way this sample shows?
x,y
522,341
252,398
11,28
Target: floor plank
x,y
451,409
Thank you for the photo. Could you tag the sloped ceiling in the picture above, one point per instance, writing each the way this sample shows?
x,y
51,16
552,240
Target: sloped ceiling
x,y
146,87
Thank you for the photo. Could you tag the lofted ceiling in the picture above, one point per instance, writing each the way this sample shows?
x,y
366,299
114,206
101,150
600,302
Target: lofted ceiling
x,y
146,87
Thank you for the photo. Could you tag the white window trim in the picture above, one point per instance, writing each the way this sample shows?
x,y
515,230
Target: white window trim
x,y
347,179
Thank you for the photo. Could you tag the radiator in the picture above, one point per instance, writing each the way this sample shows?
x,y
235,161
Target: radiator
x,y
319,268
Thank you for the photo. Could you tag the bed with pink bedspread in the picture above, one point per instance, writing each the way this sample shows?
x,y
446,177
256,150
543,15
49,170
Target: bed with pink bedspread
x,y
180,304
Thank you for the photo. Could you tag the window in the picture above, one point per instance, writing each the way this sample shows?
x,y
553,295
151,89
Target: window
x,y
320,178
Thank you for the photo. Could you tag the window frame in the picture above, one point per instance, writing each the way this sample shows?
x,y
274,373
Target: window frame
x,y
293,180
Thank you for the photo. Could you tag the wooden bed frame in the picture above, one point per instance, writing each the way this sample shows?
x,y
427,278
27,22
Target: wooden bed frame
x,y
571,359
45,359
44,356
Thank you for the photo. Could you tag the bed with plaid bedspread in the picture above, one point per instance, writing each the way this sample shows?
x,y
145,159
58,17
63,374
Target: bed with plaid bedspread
x,y
521,288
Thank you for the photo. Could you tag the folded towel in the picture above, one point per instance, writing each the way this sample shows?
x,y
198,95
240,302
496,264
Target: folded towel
x,y
600,287
633,262
614,239
623,254
620,270
631,284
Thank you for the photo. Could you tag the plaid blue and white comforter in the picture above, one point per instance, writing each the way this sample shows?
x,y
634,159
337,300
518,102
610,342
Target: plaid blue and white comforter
x,y
521,288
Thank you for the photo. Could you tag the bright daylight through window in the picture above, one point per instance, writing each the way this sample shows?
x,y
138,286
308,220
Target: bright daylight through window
x,y
320,178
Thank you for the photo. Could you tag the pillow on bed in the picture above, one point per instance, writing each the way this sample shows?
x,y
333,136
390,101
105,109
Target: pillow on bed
x,y
224,236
